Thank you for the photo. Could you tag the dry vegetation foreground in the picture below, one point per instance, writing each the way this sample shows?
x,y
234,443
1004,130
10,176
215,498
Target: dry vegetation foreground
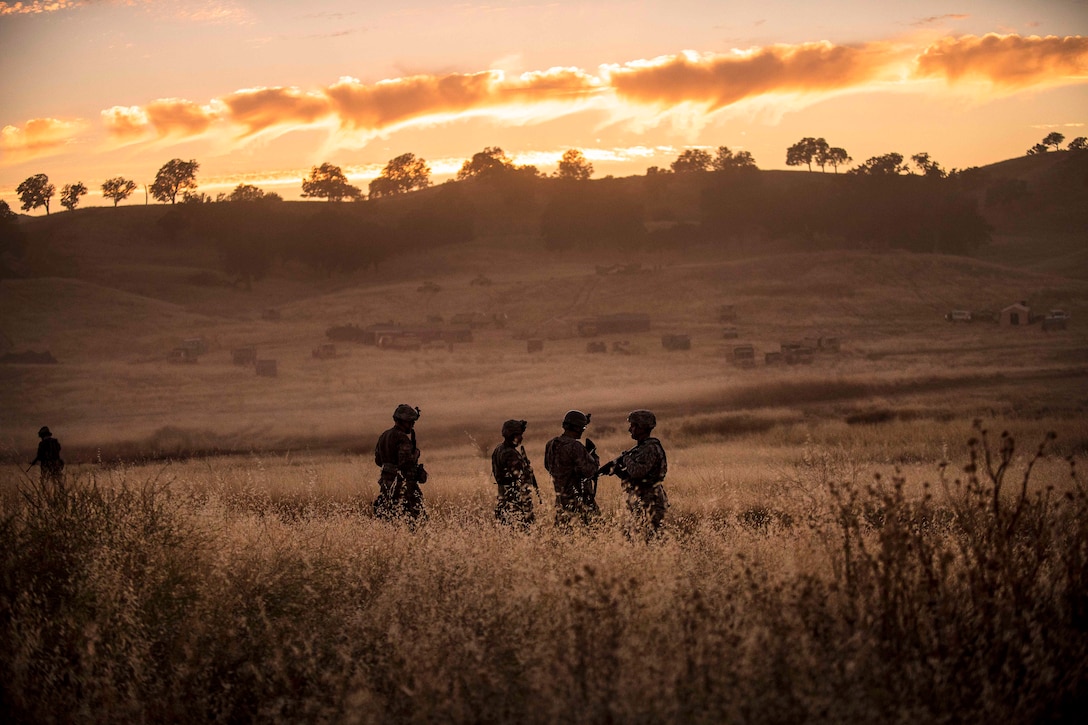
x,y
261,589
836,550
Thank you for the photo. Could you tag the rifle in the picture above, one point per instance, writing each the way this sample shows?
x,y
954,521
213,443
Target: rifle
x,y
589,484
530,475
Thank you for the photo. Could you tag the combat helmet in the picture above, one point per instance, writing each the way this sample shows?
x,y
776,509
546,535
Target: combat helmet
x,y
576,420
642,418
406,413
44,432
513,428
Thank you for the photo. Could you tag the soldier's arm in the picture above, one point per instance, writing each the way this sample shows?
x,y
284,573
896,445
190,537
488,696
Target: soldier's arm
x,y
407,457
642,462
588,463
509,467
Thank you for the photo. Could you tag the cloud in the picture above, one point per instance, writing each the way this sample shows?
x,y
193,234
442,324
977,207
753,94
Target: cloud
x,y
387,103
259,109
935,19
39,137
720,80
38,7
689,88
126,122
1011,61
199,11
178,117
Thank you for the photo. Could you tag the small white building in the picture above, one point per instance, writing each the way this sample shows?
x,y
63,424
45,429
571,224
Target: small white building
x,y
1016,315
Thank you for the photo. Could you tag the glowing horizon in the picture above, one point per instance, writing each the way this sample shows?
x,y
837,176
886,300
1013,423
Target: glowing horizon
x,y
966,92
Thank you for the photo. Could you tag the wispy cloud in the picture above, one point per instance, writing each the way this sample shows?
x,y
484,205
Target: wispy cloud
x,y
258,109
936,19
718,80
37,7
200,11
699,85
1007,60
39,137
165,117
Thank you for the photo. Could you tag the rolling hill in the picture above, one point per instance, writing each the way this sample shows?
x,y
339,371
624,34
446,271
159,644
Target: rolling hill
x,y
111,291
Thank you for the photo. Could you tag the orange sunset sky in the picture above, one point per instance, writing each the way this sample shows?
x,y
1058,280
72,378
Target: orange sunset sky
x,y
259,92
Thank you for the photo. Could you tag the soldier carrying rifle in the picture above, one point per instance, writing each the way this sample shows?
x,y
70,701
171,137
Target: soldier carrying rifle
x,y
641,471
402,473
573,467
52,467
514,476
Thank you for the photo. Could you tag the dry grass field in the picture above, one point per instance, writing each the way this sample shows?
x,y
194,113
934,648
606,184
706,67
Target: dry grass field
x,y
842,544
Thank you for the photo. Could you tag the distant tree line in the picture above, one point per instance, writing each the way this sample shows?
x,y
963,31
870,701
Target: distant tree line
x,y
884,202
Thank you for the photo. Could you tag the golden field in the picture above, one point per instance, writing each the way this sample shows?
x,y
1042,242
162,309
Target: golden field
x,y
843,542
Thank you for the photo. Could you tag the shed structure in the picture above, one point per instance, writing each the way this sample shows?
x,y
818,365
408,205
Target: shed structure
x,y
1016,315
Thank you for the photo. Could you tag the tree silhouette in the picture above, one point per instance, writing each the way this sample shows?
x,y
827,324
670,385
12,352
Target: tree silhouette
x,y
174,176
328,182
836,157
574,166
928,166
401,175
247,192
806,151
35,191
1080,143
692,160
1037,149
12,239
885,165
727,160
69,195
1053,139
492,160
118,189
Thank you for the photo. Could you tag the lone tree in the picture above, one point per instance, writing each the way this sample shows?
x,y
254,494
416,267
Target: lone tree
x,y
118,188
250,193
574,166
401,175
806,151
691,160
728,160
174,176
1053,139
36,191
1080,143
328,182
835,157
69,195
492,160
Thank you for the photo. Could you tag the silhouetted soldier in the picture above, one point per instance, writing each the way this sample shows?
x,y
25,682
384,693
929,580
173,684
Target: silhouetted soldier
x,y
573,467
402,473
514,476
52,467
641,470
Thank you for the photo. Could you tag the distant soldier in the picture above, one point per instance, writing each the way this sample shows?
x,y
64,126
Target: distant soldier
x,y
402,473
573,467
641,470
514,477
52,467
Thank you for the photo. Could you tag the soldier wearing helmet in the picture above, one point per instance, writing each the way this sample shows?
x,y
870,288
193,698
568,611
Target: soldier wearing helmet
x,y
401,472
514,477
641,471
573,467
52,467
